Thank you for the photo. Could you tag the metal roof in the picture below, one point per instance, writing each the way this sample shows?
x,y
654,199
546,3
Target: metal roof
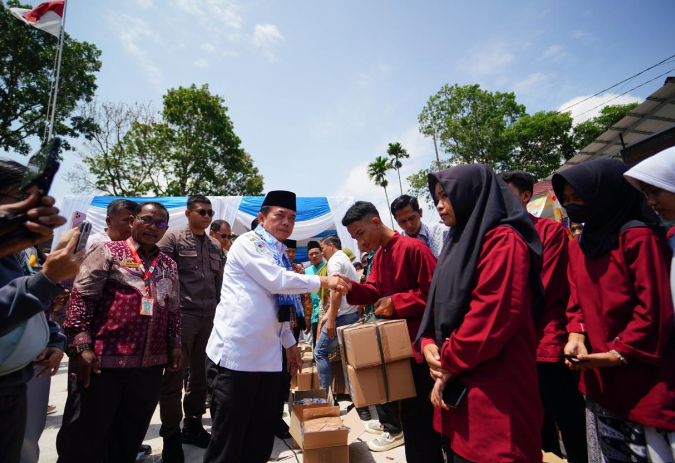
x,y
653,115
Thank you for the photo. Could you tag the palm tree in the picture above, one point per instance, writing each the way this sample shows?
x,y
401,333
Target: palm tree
x,y
377,171
397,152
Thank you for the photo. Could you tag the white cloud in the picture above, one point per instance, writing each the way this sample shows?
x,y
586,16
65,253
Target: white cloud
x,y
590,108
265,38
225,12
201,63
492,59
555,52
534,84
145,4
582,36
132,32
208,47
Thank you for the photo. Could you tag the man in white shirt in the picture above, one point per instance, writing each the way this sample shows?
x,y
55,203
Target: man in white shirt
x,y
117,223
408,214
259,295
339,312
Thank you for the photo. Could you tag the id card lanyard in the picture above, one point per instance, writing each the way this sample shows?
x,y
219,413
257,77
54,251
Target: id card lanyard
x,y
147,302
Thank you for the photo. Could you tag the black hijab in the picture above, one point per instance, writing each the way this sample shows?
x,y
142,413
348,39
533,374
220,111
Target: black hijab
x,y
612,205
481,202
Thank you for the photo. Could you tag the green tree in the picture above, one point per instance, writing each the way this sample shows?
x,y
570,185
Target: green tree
x,y
377,171
120,152
419,184
397,152
543,141
587,131
191,148
204,154
27,58
470,123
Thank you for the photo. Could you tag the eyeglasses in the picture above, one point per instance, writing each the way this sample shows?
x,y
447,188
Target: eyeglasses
x,y
224,236
147,220
203,212
22,197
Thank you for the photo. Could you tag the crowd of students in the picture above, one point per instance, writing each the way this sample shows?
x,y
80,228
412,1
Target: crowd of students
x,y
520,330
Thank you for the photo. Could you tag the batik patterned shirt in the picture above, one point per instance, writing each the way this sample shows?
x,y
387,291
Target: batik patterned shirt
x,y
105,302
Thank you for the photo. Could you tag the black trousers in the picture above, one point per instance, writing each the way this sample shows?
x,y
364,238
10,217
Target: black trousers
x,y
13,410
247,409
315,327
414,416
107,421
196,332
564,407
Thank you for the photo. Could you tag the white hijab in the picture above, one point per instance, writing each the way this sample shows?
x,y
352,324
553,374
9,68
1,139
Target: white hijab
x,y
658,170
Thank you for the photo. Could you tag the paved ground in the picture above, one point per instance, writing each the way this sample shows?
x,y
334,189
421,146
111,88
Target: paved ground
x,y
358,451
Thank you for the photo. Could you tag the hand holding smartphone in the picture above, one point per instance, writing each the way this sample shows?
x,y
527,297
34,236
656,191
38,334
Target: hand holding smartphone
x,y
85,230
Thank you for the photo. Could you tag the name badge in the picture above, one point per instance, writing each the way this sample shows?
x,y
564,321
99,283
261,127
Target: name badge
x,y
129,264
147,304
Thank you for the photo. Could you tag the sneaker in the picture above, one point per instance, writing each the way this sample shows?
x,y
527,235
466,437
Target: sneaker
x,y
143,452
374,427
51,409
173,449
386,442
193,433
207,403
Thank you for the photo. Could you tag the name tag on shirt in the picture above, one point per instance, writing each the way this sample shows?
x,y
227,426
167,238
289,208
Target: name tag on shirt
x,y
147,304
129,263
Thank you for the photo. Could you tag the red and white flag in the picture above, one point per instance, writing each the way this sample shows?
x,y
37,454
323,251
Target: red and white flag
x,y
46,16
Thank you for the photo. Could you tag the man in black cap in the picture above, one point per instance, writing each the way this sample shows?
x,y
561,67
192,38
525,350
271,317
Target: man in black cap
x,y
260,291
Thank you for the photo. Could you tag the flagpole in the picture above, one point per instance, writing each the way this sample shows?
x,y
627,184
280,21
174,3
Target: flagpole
x,y
58,70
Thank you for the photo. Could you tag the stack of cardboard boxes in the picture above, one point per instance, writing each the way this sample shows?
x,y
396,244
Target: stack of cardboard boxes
x,y
319,430
308,378
376,358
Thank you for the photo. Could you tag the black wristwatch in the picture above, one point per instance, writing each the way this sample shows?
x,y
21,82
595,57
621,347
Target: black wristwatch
x,y
72,351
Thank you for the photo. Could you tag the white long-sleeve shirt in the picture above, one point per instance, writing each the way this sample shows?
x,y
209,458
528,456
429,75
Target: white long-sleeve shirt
x,y
247,335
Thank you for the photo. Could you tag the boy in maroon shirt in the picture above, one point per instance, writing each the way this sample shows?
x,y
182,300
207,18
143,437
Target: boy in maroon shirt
x,y
398,285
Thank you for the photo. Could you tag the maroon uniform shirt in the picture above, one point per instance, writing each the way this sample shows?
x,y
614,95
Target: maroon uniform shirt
x,y
105,302
550,328
493,354
403,269
621,301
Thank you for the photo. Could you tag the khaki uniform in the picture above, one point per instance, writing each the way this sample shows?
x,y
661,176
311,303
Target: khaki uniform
x,y
200,271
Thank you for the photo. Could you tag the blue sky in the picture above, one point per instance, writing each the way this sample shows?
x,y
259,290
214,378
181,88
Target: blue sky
x,y
317,89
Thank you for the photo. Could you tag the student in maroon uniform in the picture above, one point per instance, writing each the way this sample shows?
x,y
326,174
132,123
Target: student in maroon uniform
x,y
397,285
620,313
563,403
478,328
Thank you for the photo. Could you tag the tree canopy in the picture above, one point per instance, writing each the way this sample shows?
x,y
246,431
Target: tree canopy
x,y
190,148
27,57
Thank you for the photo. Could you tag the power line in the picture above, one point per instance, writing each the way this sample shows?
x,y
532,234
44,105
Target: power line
x,y
627,91
617,84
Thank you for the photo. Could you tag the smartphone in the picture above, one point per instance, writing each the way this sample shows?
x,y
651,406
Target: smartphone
x,y
77,218
454,393
40,172
571,357
42,168
85,229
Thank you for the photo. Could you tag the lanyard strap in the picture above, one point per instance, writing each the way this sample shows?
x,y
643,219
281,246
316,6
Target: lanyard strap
x,y
138,260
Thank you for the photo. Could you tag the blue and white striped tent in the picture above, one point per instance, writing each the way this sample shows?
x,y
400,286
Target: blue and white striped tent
x,y
317,216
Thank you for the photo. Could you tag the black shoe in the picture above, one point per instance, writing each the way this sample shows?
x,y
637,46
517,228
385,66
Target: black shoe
x,y
143,452
281,430
194,433
173,449
364,413
207,403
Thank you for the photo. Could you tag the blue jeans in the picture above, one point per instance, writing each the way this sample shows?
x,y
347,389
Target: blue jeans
x,y
325,345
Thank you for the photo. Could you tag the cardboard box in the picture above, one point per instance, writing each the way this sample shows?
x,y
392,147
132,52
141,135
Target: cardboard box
x,y
307,379
548,458
331,446
322,427
361,346
295,411
307,357
305,347
327,455
367,385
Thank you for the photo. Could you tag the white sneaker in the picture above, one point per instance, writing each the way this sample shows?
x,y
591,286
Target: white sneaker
x,y
386,442
374,427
